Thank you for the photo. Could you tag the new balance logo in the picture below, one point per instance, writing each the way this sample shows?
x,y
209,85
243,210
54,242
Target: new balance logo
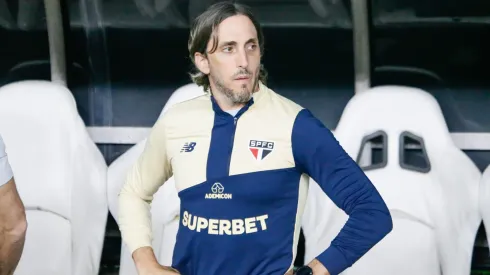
x,y
260,149
188,147
217,192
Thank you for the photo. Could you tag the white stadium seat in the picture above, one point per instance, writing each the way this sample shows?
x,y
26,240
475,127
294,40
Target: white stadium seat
x,y
61,178
435,210
485,201
166,204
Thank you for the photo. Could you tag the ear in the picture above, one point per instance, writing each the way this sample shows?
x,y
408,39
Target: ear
x,y
201,62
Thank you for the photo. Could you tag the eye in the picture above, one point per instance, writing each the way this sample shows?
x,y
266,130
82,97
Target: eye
x,y
227,49
252,47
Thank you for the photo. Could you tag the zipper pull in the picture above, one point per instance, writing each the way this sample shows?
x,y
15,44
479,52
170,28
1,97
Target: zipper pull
x,y
234,120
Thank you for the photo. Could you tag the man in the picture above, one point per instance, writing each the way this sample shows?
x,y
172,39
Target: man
x,y
13,223
241,156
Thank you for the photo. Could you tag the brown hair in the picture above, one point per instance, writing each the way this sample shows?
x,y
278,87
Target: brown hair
x,y
203,29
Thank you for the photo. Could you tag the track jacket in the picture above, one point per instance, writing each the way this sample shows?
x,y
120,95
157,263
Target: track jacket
x,y
243,182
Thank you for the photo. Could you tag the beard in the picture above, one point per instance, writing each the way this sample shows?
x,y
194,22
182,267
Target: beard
x,y
244,94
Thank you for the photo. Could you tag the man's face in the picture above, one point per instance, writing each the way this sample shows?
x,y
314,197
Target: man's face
x,y
235,65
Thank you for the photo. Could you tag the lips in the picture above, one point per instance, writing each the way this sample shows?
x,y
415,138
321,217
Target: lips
x,y
242,78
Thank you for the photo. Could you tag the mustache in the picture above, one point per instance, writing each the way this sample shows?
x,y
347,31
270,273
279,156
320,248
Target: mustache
x,y
242,73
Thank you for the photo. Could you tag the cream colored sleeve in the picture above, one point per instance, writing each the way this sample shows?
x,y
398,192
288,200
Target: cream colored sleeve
x,y
151,170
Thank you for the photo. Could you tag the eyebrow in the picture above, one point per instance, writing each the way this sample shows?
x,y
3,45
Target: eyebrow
x,y
227,43
234,43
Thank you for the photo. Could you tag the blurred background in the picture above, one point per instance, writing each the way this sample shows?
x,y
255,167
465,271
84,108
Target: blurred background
x,y
124,58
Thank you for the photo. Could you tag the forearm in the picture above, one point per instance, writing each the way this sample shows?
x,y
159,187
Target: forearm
x,y
144,258
362,231
13,226
134,220
146,262
11,246
369,218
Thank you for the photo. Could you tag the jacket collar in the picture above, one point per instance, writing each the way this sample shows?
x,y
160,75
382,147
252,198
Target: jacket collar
x,y
256,98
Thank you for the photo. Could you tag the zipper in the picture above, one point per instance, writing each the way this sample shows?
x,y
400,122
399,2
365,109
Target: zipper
x,y
235,119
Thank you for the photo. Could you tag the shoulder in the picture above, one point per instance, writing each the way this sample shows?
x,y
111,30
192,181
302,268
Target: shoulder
x,y
301,120
185,110
304,123
189,107
300,115
283,105
185,116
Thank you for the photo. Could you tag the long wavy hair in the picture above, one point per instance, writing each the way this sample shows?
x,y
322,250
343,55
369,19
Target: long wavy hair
x,y
203,30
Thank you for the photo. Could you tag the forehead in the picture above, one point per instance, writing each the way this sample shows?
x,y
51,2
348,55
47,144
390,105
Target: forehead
x,y
238,28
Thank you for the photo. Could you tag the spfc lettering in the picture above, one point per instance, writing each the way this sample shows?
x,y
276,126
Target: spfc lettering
x,y
260,149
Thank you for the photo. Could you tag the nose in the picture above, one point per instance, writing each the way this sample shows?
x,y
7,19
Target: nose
x,y
242,59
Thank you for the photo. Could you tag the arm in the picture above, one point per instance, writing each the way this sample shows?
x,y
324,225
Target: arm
x,y
318,154
144,179
13,224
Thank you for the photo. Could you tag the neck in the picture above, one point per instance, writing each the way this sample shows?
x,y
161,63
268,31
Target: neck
x,y
225,103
